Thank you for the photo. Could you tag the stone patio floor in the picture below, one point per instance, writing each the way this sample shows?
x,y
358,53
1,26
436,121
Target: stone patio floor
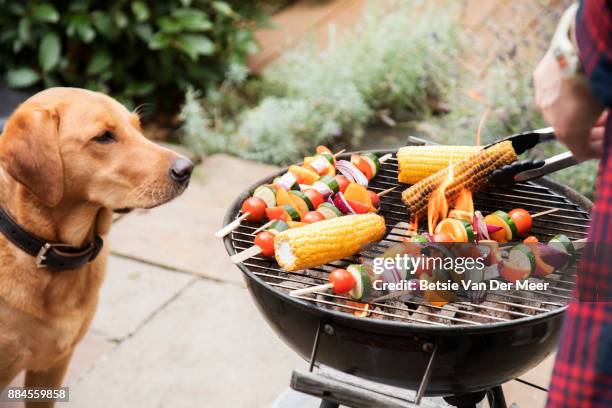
x,y
176,327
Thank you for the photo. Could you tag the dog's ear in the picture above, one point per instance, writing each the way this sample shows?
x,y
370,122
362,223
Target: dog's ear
x,y
29,151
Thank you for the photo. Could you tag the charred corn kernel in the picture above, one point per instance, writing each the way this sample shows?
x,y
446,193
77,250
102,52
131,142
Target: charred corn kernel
x,y
417,162
326,241
471,173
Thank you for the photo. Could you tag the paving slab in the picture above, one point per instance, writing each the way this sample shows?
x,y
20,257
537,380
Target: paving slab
x,y
180,234
131,294
92,349
208,347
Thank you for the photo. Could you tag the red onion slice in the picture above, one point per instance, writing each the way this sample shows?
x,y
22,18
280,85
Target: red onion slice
x,y
493,228
351,172
481,226
342,204
323,189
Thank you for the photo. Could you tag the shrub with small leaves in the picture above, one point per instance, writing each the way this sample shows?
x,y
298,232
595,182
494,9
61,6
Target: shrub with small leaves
x,y
391,61
141,50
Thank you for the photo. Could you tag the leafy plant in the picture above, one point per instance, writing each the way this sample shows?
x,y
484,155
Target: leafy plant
x,y
135,50
391,62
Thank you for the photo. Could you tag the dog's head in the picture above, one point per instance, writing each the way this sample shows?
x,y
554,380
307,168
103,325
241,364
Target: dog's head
x,y
73,144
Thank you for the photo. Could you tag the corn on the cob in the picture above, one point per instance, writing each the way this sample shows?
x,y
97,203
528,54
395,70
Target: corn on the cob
x,y
471,173
417,162
326,241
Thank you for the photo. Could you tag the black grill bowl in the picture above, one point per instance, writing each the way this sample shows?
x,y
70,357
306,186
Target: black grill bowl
x,y
468,358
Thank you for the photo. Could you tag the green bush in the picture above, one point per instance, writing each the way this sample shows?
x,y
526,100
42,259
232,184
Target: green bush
x,y
392,62
144,50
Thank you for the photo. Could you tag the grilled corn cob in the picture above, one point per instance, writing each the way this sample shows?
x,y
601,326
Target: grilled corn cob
x,y
417,162
471,173
325,241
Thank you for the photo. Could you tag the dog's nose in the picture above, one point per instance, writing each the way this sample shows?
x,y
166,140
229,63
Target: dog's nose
x,y
181,169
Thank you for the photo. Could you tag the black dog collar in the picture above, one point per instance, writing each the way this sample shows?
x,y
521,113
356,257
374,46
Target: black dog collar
x,y
54,256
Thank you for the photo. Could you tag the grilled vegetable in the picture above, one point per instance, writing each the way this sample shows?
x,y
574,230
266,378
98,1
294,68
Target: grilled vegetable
x,y
471,173
287,181
418,162
278,226
266,193
374,198
342,280
301,202
503,220
359,207
343,182
562,243
522,220
329,210
265,241
312,216
284,212
303,175
356,192
321,163
314,196
520,265
326,241
256,207
363,166
283,197
326,185
373,161
459,230
362,281
343,205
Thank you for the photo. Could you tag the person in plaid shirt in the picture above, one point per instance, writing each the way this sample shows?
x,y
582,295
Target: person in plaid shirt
x,y
575,100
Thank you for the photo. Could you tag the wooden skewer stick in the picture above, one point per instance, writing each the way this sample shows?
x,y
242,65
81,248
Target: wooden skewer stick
x,y
311,289
384,158
246,254
552,210
263,227
339,153
579,243
385,192
231,226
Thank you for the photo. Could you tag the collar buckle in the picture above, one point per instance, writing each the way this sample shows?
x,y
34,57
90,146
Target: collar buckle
x,y
42,254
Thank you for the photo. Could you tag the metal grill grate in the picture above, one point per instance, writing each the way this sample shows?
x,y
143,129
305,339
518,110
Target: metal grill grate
x,y
571,220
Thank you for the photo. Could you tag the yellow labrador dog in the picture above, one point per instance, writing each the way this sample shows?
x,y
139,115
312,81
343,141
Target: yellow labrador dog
x,y
68,159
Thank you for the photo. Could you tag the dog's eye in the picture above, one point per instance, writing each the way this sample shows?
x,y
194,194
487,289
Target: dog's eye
x,y
105,138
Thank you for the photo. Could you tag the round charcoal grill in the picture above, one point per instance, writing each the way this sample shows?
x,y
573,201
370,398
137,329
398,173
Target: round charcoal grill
x,y
454,350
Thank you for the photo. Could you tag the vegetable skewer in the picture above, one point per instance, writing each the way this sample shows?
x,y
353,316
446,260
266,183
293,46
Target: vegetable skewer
x,y
324,185
353,281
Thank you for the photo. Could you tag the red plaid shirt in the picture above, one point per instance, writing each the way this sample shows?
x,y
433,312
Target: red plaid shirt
x,y
582,376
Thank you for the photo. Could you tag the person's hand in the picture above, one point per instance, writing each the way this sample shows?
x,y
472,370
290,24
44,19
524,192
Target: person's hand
x,y
569,106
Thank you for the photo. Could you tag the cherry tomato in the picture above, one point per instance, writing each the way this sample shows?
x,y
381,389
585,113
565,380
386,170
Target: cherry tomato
x,y
375,199
443,237
530,239
256,207
522,219
312,216
342,280
315,197
343,182
265,240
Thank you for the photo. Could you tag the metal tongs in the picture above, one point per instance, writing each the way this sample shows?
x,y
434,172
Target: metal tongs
x,y
526,169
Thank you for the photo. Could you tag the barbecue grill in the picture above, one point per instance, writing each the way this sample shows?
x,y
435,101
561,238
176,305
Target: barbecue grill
x,y
453,350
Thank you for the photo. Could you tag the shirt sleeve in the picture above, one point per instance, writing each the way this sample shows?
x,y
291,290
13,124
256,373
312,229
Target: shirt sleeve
x,y
594,37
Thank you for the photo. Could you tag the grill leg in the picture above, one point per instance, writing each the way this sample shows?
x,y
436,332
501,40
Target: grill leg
x,y
328,404
496,397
